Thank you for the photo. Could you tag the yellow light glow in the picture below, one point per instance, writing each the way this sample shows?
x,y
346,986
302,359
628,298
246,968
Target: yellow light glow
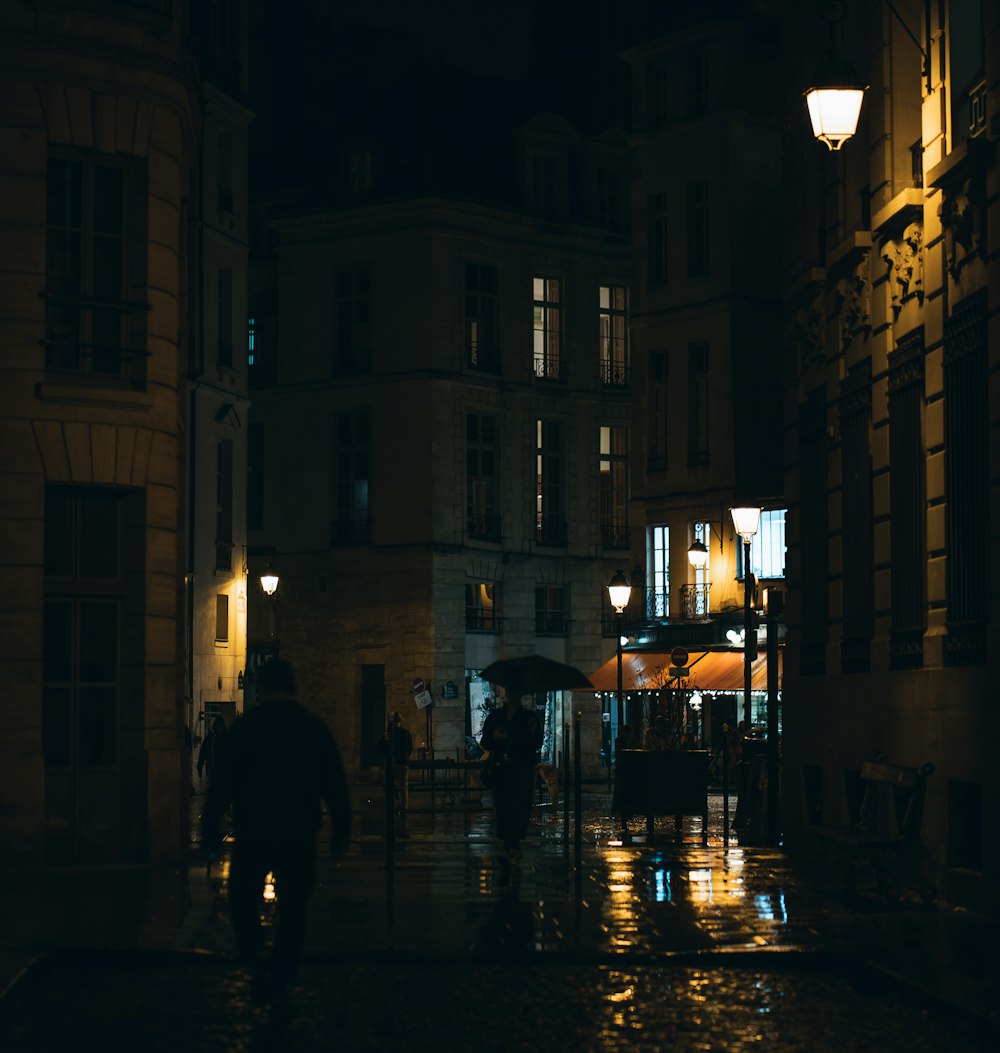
x,y
834,114
269,893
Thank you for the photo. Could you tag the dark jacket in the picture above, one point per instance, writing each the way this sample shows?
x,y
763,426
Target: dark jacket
x,y
523,737
280,761
402,744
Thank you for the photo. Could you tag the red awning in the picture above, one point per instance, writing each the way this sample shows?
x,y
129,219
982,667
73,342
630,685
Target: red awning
x,y
710,671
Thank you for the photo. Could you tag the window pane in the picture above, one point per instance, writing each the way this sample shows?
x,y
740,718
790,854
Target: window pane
x,y
57,734
58,534
97,727
98,642
108,200
57,647
99,537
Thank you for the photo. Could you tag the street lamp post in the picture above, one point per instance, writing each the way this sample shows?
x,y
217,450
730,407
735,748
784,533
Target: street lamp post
x,y
746,521
619,592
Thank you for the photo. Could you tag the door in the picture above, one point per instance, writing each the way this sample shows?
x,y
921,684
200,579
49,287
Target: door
x,y
373,715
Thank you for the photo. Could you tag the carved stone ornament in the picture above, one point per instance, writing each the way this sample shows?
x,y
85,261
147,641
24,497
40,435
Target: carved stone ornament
x,y
961,213
854,302
806,335
905,260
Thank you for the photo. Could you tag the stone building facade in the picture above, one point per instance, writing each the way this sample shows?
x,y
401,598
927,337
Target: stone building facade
x,y
100,123
705,195
891,408
439,436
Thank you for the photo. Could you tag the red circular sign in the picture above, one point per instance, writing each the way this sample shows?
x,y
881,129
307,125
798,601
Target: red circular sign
x,y
417,686
679,656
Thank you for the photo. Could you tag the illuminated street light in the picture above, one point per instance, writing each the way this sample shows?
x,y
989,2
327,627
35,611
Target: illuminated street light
x,y
619,592
698,554
269,581
746,520
834,102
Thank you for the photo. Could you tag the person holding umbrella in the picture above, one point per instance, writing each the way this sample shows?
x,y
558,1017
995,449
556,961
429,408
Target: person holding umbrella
x,y
513,737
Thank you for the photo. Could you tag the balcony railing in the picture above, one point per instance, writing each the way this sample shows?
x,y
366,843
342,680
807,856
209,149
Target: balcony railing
x,y
615,535
484,526
551,623
550,530
547,369
478,620
485,357
694,600
616,375
657,603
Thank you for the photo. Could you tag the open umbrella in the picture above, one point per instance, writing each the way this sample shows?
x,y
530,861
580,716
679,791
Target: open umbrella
x,y
533,673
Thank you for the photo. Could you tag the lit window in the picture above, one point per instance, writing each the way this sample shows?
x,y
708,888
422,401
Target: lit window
x,y
251,334
658,562
767,547
546,327
613,320
482,607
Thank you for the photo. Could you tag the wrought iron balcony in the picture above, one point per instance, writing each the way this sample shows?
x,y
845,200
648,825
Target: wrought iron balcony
x,y
615,535
694,601
484,526
550,530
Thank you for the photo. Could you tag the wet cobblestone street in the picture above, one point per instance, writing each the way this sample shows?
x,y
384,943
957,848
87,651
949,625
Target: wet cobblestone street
x,y
652,944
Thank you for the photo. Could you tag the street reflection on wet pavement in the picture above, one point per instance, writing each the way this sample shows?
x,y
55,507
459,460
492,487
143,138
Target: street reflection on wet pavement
x,y
656,943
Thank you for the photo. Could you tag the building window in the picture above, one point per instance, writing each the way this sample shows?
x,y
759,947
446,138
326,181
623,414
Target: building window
x,y
353,350
657,236
907,503
224,317
92,620
94,263
613,335
697,407
222,618
482,607
482,507
614,487
658,575
550,521
767,547
482,346
697,229
657,405
546,326
352,462
255,476
551,610
359,171
224,504
262,365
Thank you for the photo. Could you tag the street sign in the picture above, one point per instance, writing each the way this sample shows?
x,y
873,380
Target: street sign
x,y
679,656
423,699
418,685
679,671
